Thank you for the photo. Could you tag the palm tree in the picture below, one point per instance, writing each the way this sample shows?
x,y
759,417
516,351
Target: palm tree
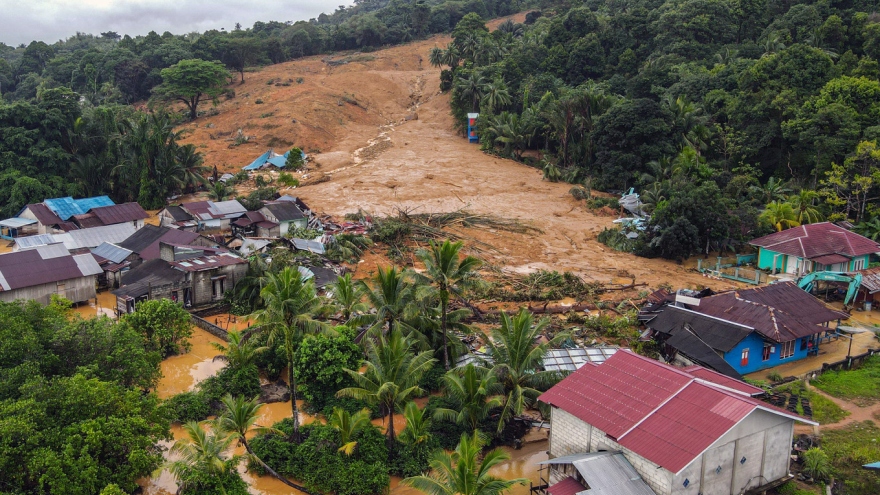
x,y
238,353
803,204
774,190
203,452
391,295
462,472
220,191
471,87
869,228
772,44
780,215
451,56
435,56
391,377
473,390
239,419
248,289
348,296
193,166
418,425
515,132
514,29
517,360
495,95
289,306
348,247
448,274
348,425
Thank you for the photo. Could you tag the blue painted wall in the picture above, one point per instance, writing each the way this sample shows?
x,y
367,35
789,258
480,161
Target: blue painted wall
x,y
755,344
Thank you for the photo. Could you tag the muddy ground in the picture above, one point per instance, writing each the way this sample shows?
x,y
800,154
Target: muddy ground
x,y
380,137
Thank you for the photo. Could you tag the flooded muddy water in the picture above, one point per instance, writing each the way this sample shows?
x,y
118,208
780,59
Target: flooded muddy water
x,y
182,373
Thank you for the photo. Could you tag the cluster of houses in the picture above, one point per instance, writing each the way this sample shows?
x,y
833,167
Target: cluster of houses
x,y
73,247
621,423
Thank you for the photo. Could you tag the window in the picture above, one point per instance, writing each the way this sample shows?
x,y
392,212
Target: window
x,y
858,264
787,350
765,353
744,361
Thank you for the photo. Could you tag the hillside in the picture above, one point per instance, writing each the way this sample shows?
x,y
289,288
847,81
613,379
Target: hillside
x,y
351,119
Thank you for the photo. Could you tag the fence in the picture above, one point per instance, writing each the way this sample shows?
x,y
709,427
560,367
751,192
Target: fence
x,y
849,363
732,268
209,327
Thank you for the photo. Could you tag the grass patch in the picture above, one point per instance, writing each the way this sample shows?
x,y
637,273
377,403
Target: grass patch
x,y
825,411
861,386
848,449
791,488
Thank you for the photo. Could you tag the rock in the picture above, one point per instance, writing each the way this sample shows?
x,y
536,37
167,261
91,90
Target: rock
x,y
274,392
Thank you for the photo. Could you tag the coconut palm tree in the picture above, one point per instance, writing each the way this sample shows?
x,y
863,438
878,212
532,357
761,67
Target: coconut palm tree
x,y
780,215
803,204
462,472
495,95
289,306
220,191
448,273
348,425
238,420
238,352
391,377
418,425
348,296
391,295
474,391
517,361
774,190
435,56
869,228
203,454
514,29
470,87
451,56
247,290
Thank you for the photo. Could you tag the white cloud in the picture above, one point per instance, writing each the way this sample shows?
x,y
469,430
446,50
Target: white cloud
x,y
22,21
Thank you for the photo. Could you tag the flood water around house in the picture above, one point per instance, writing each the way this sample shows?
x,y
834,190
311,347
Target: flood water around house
x,y
182,373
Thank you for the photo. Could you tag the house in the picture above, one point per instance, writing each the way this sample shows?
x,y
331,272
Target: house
x,y
814,247
79,239
126,213
55,215
685,432
144,244
114,262
38,273
869,289
286,214
594,473
254,224
202,215
194,275
742,331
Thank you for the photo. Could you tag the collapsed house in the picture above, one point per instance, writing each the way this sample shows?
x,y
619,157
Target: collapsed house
x,y
687,432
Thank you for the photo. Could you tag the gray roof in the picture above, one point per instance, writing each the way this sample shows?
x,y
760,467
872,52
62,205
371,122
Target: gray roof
x,y
16,222
227,209
111,252
82,238
285,211
573,359
609,473
249,246
307,245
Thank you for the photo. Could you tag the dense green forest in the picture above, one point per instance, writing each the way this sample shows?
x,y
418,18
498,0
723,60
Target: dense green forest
x,y
731,118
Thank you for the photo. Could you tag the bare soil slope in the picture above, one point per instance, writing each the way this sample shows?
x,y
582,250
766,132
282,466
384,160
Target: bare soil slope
x,y
380,137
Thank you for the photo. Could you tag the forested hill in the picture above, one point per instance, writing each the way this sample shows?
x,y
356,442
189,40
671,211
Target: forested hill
x,y
731,117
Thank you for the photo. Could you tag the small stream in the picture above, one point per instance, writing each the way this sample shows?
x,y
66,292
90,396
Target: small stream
x,y
182,373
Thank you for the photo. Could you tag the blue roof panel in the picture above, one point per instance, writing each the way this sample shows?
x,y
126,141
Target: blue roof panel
x,y
67,207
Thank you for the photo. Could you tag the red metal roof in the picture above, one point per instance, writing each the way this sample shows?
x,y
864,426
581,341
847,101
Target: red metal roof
x,y
44,215
814,240
615,398
831,259
661,413
568,486
725,381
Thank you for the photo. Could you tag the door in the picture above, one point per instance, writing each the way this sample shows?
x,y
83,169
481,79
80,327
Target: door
x,y
744,360
765,355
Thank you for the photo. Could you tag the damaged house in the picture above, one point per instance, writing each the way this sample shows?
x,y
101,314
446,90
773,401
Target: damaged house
x,y
190,274
201,216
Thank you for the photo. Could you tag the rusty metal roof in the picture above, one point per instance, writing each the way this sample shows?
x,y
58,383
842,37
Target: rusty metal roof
x,y
659,412
788,297
814,240
42,265
44,214
871,279
126,212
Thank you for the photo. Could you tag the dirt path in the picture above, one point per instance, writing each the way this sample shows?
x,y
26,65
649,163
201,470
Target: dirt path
x,y
380,138
857,413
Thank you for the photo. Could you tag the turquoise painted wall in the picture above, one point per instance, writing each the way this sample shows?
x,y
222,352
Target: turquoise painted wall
x,y
755,344
765,260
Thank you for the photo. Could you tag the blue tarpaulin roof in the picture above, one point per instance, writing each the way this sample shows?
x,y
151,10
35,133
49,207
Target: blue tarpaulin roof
x,y
68,207
270,158
873,465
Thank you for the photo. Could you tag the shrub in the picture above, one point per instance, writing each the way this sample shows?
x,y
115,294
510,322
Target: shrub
x,y
430,381
258,101
188,406
816,463
321,362
288,180
295,159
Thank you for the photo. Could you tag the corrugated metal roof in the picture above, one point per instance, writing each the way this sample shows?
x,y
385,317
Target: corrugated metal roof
x,y
609,473
718,333
307,245
50,251
67,207
210,262
44,214
687,341
251,245
568,486
42,265
573,359
813,240
113,214
871,279
659,412
95,236
33,241
727,382
788,297
87,264
111,252
285,211
16,222
226,209
145,242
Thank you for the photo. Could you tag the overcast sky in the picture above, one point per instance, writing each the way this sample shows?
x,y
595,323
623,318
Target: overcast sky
x,y
22,21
